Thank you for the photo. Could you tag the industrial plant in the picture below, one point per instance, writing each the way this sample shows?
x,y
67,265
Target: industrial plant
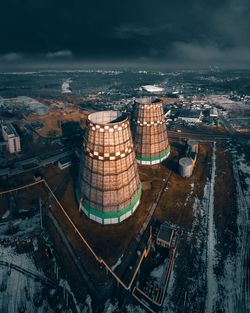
x,y
150,131
92,196
12,138
109,184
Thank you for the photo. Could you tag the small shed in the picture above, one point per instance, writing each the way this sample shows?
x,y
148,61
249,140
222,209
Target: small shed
x,y
164,236
64,163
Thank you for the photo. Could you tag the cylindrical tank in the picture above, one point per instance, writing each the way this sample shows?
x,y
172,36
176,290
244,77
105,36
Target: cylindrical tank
x,y
185,167
149,131
110,188
193,146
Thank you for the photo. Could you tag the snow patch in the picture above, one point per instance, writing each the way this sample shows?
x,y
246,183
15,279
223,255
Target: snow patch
x,y
134,309
110,307
212,285
118,262
6,215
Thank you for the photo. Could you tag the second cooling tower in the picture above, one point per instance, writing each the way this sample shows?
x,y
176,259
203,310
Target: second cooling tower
x,y
150,132
110,188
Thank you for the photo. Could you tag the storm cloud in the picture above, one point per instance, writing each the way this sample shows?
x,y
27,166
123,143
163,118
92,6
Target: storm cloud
x,y
170,32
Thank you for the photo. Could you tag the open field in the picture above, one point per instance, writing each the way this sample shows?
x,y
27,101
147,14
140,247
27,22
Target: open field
x,y
177,201
52,121
110,242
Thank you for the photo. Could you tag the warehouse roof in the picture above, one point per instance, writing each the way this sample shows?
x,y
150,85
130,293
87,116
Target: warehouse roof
x,y
165,233
190,113
151,88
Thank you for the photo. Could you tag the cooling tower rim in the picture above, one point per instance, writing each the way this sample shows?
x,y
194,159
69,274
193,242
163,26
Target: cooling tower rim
x,y
147,100
185,161
91,117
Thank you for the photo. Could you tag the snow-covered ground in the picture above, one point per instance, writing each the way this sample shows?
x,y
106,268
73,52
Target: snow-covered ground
x,y
111,307
241,296
134,309
24,228
88,301
187,288
168,305
157,272
17,289
118,262
233,295
207,282
6,215
18,286
212,286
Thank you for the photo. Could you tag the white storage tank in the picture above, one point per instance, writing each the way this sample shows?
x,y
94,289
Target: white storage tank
x,y
185,167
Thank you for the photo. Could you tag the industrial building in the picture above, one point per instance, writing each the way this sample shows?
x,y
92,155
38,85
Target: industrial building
x,y
109,185
214,112
12,138
64,163
150,131
164,236
191,116
152,89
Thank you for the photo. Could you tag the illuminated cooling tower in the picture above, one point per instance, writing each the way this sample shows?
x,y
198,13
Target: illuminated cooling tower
x,y
110,188
150,132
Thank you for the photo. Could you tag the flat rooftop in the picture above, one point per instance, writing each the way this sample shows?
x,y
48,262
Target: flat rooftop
x,y
190,113
185,161
64,160
152,88
165,233
10,130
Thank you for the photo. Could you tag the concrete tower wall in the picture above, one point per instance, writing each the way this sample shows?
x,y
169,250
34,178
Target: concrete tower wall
x,y
109,180
150,132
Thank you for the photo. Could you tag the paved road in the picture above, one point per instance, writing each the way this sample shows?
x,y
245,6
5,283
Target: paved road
x,y
199,133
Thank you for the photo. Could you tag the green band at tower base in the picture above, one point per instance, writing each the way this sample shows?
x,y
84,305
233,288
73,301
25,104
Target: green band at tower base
x,y
110,217
154,160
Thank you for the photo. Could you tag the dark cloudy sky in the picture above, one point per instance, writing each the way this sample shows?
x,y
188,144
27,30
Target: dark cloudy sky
x,y
193,32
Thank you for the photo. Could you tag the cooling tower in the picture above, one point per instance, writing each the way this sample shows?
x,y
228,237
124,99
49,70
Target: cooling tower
x,y
150,131
110,188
